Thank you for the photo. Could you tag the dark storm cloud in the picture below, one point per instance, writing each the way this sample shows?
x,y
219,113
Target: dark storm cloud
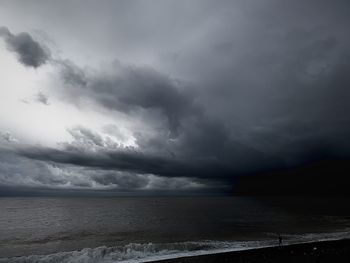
x,y
263,86
24,173
260,72
15,170
128,181
193,156
125,160
129,88
125,181
72,74
29,52
279,83
303,110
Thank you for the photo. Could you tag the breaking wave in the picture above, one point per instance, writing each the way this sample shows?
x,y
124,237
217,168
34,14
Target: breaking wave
x,y
135,253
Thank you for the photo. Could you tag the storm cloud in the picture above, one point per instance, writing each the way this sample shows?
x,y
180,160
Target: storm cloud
x,y
130,88
181,166
29,174
202,91
29,52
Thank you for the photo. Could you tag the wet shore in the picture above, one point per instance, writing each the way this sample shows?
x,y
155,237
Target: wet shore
x,y
315,252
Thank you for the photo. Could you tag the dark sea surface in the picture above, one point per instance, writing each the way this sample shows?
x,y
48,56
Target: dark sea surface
x,y
133,229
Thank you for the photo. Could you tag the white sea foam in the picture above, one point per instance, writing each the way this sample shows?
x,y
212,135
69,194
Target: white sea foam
x,y
135,253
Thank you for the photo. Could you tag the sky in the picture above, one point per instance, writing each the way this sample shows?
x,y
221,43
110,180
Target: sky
x,y
171,96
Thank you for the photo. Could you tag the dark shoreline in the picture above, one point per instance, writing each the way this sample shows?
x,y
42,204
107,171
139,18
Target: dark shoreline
x,y
318,252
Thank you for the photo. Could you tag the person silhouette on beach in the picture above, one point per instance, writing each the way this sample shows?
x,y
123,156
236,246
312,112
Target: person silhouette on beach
x,y
279,240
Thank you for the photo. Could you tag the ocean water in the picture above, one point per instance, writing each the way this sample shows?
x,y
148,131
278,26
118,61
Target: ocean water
x,y
137,229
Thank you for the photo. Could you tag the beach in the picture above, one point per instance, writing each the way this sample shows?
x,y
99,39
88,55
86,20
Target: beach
x,y
318,252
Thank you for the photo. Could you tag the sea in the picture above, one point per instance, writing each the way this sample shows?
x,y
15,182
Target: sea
x,y
141,229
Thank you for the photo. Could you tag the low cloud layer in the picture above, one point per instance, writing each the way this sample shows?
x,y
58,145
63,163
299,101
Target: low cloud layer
x,y
27,173
88,149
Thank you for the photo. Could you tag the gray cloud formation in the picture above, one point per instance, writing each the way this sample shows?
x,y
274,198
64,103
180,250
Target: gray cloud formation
x,y
42,98
7,137
128,88
217,160
260,71
263,86
16,171
29,52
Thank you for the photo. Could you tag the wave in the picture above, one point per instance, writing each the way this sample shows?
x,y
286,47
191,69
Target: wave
x,y
135,253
